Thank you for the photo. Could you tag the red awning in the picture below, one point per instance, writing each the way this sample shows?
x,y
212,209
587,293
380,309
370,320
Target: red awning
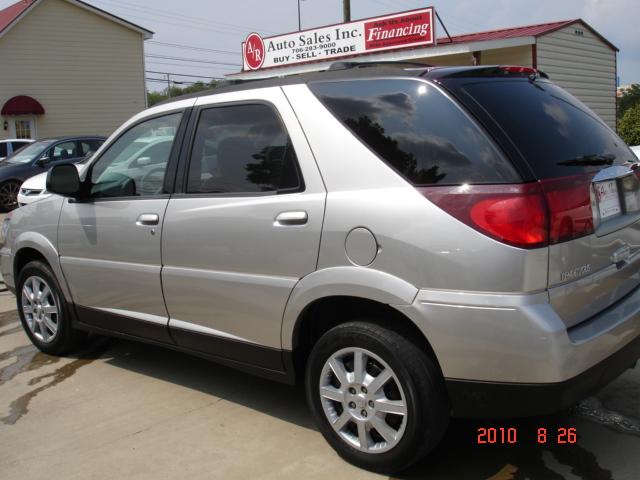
x,y
22,105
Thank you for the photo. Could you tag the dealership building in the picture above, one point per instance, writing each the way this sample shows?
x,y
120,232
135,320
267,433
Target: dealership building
x,y
571,52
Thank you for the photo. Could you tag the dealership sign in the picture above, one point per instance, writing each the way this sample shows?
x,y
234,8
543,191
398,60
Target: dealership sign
x,y
402,30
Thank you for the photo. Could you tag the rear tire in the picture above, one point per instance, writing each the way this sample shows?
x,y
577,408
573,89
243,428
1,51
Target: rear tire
x,y
44,313
381,425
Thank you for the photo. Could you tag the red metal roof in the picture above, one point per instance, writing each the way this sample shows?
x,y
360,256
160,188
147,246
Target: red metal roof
x,y
12,12
22,105
518,32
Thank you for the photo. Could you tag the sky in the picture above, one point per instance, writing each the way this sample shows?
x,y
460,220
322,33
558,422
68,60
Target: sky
x,y
209,33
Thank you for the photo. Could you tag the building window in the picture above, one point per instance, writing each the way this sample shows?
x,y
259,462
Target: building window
x,y
23,129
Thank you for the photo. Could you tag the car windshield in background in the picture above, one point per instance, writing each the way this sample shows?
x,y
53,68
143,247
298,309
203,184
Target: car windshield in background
x,y
556,133
30,153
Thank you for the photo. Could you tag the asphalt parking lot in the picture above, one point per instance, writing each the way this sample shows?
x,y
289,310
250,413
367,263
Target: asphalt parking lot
x,y
124,410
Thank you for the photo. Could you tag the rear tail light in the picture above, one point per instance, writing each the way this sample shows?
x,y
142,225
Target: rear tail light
x,y
527,215
570,209
512,214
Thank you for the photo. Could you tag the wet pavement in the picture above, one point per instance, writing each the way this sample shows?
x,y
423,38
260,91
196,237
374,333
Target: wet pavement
x,y
121,409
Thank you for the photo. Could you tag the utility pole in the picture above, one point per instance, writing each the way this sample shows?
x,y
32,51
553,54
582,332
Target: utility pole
x,y
299,22
346,10
168,86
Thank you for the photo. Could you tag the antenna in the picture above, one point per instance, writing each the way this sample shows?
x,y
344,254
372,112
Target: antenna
x,y
443,26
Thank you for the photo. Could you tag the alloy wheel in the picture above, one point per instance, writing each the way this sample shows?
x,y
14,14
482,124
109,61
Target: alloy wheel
x,y
40,309
363,400
9,194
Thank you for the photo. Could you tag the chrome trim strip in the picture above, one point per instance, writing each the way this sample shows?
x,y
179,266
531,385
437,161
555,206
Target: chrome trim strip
x,y
467,306
145,317
193,327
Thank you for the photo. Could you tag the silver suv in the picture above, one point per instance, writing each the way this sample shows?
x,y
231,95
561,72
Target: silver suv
x,y
412,243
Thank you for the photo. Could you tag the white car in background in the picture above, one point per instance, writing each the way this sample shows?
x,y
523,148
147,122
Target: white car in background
x,y
636,150
10,146
35,188
143,151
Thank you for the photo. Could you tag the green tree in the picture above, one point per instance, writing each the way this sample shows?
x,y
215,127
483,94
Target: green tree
x,y
629,126
156,97
629,98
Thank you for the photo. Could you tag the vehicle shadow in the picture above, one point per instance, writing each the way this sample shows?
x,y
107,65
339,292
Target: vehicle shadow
x,y
458,457
269,397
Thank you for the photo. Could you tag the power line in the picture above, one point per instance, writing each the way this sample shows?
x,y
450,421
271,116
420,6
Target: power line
x,y
194,60
194,48
182,65
164,80
181,74
183,25
186,20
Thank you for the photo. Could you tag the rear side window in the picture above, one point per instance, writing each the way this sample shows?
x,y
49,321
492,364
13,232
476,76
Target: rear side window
x,y
242,149
417,130
556,133
3,149
90,146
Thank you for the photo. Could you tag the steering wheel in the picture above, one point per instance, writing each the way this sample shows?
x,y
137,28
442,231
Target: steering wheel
x,y
150,185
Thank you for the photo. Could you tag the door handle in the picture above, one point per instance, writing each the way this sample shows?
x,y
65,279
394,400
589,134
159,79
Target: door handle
x,y
148,220
287,219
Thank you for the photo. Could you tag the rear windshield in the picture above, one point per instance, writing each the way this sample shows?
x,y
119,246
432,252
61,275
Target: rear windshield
x,y
413,127
556,133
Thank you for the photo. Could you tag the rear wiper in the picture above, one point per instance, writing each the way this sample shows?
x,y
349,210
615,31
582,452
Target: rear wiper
x,y
606,159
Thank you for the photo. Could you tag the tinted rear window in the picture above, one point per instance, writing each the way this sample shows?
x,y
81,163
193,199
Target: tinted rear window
x,y
416,130
556,133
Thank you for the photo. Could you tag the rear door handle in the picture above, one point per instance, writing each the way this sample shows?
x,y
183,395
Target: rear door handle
x,y
287,219
148,220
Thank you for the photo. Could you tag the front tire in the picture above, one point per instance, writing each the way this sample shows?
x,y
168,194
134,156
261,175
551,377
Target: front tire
x,y
44,313
9,195
377,398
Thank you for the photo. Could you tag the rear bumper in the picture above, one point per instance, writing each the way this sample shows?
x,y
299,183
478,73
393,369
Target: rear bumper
x,y
512,355
471,399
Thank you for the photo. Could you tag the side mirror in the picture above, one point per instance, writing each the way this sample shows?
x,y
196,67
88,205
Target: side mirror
x,y
64,180
42,161
142,161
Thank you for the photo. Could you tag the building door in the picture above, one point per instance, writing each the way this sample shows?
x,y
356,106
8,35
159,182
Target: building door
x,y
23,128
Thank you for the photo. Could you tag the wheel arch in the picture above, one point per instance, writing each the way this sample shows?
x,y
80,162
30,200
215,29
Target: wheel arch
x,y
333,296
31,246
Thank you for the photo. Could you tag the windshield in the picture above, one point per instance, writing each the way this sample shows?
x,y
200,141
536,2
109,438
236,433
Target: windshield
x,y
556,133
30,153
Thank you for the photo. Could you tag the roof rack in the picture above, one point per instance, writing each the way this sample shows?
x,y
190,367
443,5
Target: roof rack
x,y
365,64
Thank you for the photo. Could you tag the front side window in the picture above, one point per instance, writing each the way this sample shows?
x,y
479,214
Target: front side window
x,y
242,149
135,164
416,130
